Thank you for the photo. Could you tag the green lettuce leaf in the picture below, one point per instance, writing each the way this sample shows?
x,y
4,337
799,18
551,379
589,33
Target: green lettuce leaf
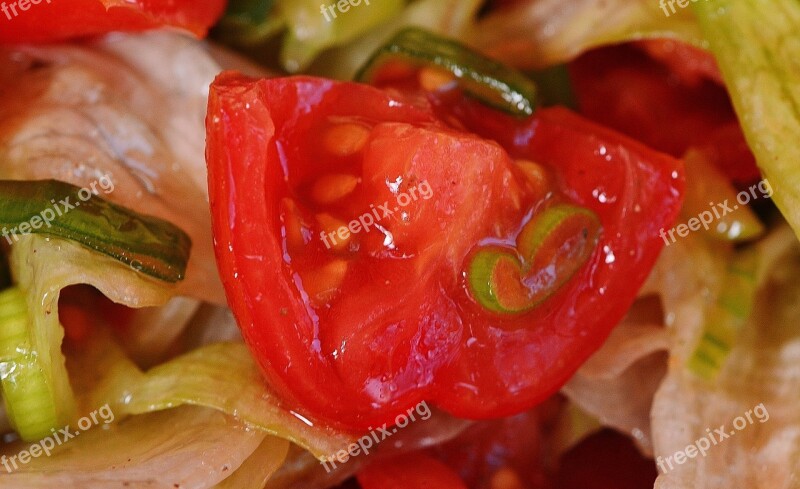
x,y
220,376
757,48
42,267
259,467
187,447
540,33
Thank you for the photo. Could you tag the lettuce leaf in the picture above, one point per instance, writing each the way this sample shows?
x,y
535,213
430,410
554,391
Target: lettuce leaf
x,y
540,33
448,17
42,267
753,399
129,108
757,47
259,467
188,447
220,376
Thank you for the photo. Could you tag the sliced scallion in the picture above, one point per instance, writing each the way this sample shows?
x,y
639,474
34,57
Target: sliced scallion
x,y
551,248
27,392
148,244
726,317
481,77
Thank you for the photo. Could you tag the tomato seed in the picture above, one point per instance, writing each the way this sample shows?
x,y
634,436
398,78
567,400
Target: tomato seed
x,y
330,188
434,79
346,139
322,284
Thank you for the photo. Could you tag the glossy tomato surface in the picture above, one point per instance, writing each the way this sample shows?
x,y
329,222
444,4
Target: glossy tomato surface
x,y
56,20
345,220
668,95
412,471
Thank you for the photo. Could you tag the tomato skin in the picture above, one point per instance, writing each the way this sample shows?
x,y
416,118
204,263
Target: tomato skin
x,y
404,329
67,19
411,471
671,100
605,460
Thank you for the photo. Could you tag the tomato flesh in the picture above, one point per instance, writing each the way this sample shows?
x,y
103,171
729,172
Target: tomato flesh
x,y
671,98
352,295
412,471
56,20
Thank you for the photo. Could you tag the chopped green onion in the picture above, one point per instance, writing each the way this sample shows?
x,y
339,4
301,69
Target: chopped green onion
x,y
481,77
555,86
248,22
726,317
551,248
148,244
27,393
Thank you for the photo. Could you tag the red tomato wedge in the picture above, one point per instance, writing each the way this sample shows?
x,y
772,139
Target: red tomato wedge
x,y
412,471
673,100
56,20
348,221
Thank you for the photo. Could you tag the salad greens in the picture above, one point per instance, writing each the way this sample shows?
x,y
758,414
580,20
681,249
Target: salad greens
x,y
42,267
307,27
756,45
220,376
762,368
187,447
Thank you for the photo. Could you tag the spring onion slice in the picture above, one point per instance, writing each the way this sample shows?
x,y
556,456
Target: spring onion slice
x,y
148,244
551,248
483,78
726,317
27,389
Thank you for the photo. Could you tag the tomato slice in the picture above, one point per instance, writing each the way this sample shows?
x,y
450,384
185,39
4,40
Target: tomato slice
x,y
670,98
55,20
605,460
345,220
411,471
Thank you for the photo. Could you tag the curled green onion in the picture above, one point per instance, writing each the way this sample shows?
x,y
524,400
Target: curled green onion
x,y
551,248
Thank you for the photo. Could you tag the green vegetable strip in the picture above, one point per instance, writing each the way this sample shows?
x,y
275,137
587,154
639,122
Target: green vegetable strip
x,y
27,391
481,77
148,244
249,21
757,47
726,317
554,86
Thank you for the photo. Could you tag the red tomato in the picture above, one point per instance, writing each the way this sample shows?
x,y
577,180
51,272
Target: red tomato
x,y
354,323
55,20
515,444
691,64
605,460
412,471
671,103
